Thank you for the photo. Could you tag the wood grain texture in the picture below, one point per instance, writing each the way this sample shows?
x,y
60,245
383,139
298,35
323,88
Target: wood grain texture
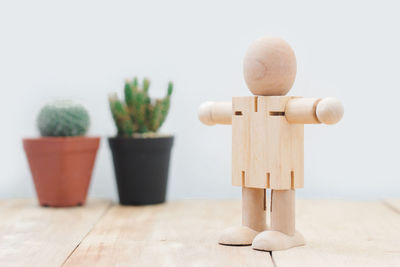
x,y
34,236
344,233
254,208
329,110
393,204
185,233
267,151
269,66
283,211
174,234
302,110
212,113
221,112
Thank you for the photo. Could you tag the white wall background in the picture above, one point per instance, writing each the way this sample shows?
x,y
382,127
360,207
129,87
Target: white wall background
x,y
85,49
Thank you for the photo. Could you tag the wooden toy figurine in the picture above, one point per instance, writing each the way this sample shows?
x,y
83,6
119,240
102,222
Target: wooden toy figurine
x,y
268,144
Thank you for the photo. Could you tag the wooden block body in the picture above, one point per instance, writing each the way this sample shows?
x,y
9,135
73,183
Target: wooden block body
x,y
267,151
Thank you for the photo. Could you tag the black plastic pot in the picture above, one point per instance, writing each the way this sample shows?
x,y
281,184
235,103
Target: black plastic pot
x,y
141,168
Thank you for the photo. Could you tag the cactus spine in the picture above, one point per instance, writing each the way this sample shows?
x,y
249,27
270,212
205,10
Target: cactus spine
x,y
63,118
139,113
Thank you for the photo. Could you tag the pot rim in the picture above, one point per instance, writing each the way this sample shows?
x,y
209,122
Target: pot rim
x,y
162,136
60,145
59,138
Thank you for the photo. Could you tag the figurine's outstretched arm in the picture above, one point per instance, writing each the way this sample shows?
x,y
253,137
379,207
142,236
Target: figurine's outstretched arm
x,y
314,110
211,113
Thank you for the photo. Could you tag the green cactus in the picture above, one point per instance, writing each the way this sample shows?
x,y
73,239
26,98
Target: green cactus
x,y
63,118
139,114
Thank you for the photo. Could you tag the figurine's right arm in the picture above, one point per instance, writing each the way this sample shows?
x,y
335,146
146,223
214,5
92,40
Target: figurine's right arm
x,y
211,113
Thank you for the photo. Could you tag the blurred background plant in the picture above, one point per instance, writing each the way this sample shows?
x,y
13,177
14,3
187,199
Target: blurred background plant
x,y
63,118
139,114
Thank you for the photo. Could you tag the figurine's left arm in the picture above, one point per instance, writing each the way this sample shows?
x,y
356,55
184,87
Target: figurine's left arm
x,y
314,110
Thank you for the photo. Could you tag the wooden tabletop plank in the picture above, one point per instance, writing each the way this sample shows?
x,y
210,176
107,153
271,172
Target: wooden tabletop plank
x,y
344,233
180,233
393,203
34,236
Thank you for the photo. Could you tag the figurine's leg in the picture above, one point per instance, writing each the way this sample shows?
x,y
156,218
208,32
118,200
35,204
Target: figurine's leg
x,y
253,219
254,207
282,234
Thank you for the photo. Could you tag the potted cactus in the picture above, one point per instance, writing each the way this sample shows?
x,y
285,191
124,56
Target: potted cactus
x,y
140,154
62,160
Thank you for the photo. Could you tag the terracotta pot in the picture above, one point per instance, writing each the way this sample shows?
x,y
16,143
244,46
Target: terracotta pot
x,y
61,168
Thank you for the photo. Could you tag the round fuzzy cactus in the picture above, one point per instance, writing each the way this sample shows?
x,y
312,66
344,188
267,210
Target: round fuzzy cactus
x,y
63,118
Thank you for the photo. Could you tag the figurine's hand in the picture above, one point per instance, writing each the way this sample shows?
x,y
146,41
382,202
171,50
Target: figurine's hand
x,y
329,110
204,113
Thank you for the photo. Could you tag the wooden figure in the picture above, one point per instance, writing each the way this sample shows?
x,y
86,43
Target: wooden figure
x,y
268,144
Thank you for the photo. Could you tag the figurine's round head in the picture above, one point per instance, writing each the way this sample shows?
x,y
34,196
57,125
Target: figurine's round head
x,y
269,67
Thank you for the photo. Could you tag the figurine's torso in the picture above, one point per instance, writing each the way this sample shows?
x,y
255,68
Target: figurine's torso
x,y
267,151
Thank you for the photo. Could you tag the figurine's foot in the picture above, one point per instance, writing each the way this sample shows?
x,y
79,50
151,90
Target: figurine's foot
x,y
237,236
275,240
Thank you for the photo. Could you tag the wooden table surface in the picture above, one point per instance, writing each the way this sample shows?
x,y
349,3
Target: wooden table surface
x,y
184,233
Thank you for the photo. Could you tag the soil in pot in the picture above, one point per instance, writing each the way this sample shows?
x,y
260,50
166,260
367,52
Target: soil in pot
x,y
141,168
61,168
